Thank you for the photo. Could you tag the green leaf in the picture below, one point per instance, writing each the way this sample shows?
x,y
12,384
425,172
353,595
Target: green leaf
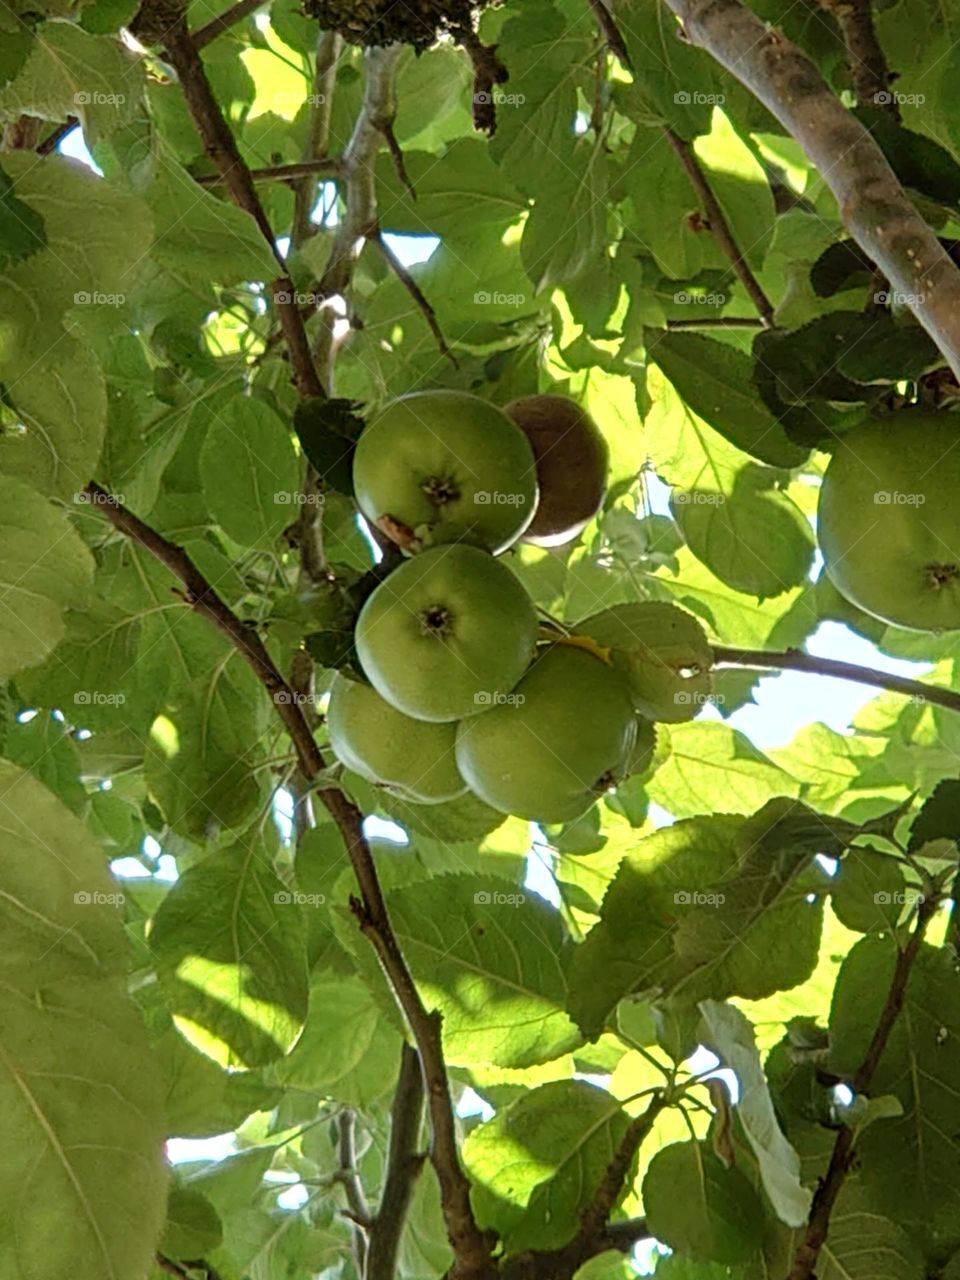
x,y
328,431
630,950
492,960
730,1034
83,1180
22,231
340,1028
200,238
910,1165
250,472
566,231
71,73
672,80
44,569
229,943
664,653
715,381
546,57
711,766
202,1100
193,1226
939,818
538,1162
732,515
869,891
465,178
699,1208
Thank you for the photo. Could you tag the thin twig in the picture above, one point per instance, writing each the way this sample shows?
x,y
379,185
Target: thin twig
x,y
53,140
404,1163
358,173
221,147
873,204
841,1159
415,292
611,32
719,227
718,322
317,141
471,1247
236,13
797,660
349,1179
868,66
277,173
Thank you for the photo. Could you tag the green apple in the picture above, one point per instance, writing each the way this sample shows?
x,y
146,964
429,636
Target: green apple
x,y
447,467
889,519
572,459
565,735
415,760
447,634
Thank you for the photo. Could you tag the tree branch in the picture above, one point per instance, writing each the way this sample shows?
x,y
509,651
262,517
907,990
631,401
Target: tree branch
x,y
611,32
404,1163
841,1159
349,1179
358,171
471,1247
236,13
415,292
317,141
595,1235
797,660
868,66
53,140
277,172
221,147
873,205
719,227
718,322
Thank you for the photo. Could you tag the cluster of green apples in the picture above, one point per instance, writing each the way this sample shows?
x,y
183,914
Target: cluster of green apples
x,y
463,695
889,521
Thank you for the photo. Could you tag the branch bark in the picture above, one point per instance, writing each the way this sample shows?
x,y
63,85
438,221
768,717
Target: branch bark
x,y
841,1159
236,13
868,66
471,1247
358,173
317,142
797,660
611,32
719,227
404,1163
349,1179
873,205
221,147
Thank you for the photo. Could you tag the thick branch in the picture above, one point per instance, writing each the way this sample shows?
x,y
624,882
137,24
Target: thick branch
x,y
595,1235
873,205
471,1247
719,227
868,66
404,1163
797,660
236,13
841,1159
221,147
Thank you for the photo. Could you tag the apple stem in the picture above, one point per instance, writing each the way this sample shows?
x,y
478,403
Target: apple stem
x,y
797,660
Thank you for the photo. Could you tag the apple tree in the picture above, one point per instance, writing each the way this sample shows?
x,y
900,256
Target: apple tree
x,y
427,428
